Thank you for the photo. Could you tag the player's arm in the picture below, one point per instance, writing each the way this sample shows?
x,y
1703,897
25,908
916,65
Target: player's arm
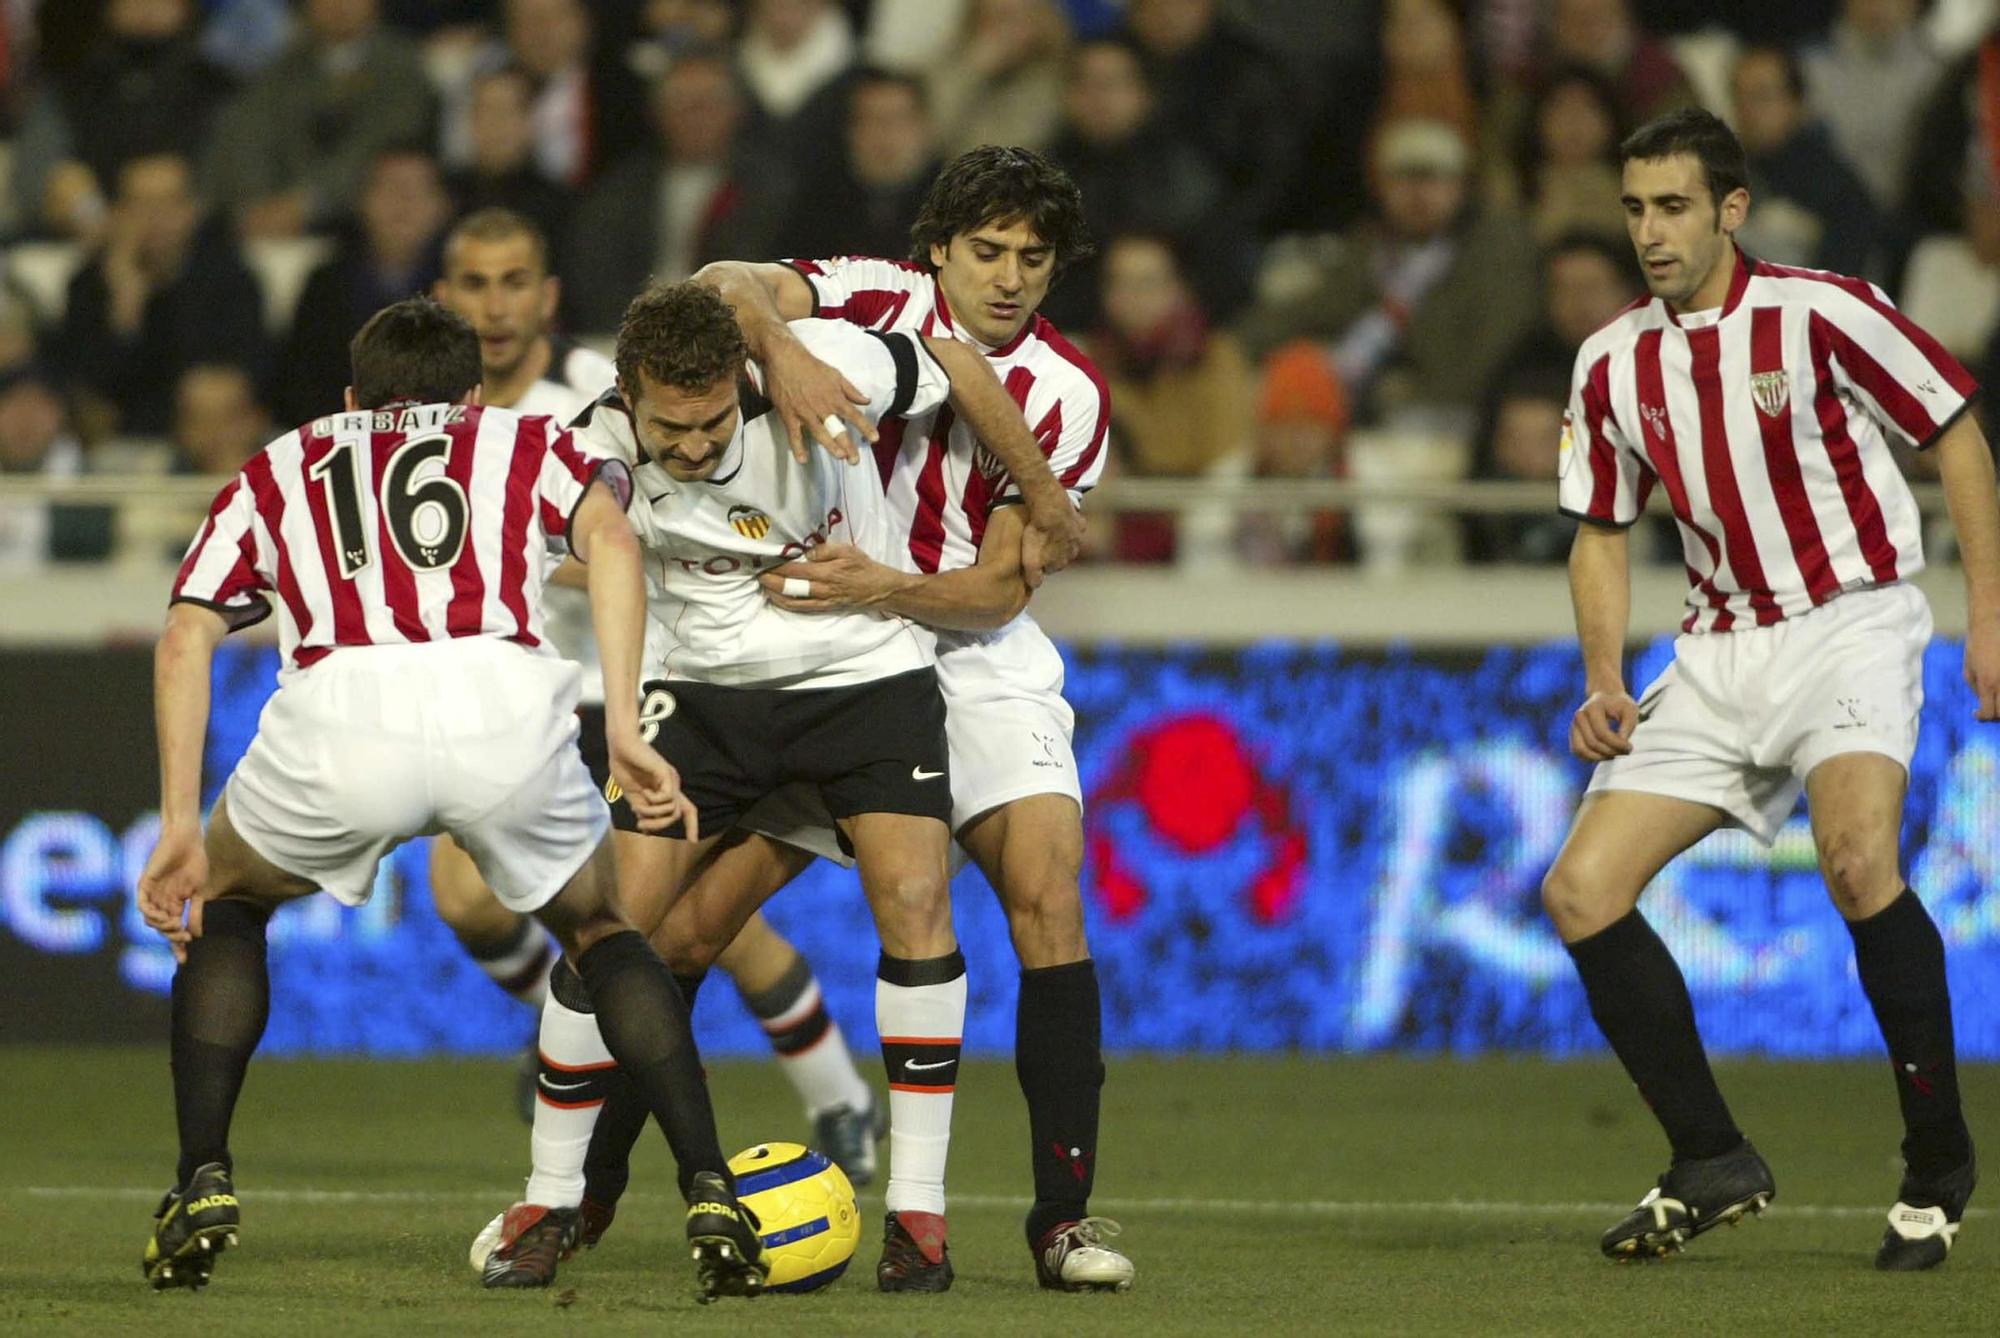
x,y
602,540
1965,462
811,397
989,594
1601,590
1054,531
177,870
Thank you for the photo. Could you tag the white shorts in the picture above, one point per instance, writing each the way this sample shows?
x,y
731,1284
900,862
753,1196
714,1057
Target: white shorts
x,y
1739,719
378,744
1006,724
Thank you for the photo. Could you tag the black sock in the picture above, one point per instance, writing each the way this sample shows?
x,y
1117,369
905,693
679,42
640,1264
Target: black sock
x,y
1900,957
1057,1030
644,1022
1640,1001
221,1001
607,1163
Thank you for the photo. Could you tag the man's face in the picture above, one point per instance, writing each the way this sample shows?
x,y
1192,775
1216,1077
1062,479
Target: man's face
x,y
218,422
994,277
1767,114
888,135
1585,290
502,132
1419,205
698,111
1594,32
1676,228
785,23
504,289
1106,99
683,432
547,36
156,200
1169,27
31,418
1142,288
1525,434
403,206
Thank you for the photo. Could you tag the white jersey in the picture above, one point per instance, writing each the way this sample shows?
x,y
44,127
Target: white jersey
x,y
708,541
576,376
1768,421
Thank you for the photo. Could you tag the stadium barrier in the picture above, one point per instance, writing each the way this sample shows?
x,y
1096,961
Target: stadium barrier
x,y
1289,847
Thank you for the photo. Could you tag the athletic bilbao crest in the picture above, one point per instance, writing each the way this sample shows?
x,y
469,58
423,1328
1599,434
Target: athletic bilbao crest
x,y
749,522
1771,390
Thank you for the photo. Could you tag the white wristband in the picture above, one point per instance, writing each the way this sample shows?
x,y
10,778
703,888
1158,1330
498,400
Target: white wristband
x,y
797,587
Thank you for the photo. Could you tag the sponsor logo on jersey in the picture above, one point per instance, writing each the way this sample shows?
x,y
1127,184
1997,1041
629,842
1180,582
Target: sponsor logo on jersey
x,y
749,522
1772,391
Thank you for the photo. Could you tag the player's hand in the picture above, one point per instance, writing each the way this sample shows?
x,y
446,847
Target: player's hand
x,y
1982,668
1050,543
651,786
1602,727
815,402
171,883
829,579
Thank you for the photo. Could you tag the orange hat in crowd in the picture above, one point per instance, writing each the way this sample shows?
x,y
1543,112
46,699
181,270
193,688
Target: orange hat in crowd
x,y
1300,384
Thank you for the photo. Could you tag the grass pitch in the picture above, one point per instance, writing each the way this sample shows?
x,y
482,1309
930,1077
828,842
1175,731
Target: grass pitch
x,y
1287,1195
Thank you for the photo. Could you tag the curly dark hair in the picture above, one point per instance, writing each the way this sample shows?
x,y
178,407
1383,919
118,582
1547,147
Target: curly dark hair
x,y
414,350
994,184
681,335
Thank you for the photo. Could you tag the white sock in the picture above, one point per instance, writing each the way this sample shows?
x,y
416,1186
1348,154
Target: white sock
x,y
920,1014
569,1093
521,967
808,1043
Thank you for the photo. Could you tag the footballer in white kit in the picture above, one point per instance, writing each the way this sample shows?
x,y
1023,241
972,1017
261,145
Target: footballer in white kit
x,y
745,697
402,544
1761,400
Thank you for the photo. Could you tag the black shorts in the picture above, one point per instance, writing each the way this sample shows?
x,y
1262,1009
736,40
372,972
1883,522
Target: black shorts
x,y
870,748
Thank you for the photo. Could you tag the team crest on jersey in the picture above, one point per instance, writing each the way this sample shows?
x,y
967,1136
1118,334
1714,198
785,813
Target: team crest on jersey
x,y
749,522
1771,390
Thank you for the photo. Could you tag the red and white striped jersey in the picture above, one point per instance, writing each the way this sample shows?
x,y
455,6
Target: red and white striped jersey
x,y
1767,420
392,527
941,483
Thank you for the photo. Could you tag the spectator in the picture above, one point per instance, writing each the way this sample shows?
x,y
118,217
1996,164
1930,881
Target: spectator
x,y
143,89
1963,108
1586,280
1603,36
1953,284
1002,82
1570,172
1811,207
165,289
1136,177
579,106
1519,443
502,173
1869,81
35,438
794,60
219,421
293,151
245,36
865,203
1302,419
1423,299
666,211
669,29
403,209
1221,91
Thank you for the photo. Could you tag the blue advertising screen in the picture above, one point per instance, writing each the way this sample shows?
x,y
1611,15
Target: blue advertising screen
x,y
1296,847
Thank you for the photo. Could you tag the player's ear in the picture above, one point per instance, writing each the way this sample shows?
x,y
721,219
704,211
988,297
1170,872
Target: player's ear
x,y
437,289
347,396
939,250
551,295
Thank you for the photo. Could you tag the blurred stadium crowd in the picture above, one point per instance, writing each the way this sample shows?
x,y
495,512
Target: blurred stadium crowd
x,y
1336,237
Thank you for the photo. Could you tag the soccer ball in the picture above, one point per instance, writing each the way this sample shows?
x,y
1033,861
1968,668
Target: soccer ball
x,y
805,1209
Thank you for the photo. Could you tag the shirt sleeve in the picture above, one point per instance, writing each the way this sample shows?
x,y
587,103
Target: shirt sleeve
x,y
895,370
1903,377
566,475
1071,433
861,290
1599,478
228,567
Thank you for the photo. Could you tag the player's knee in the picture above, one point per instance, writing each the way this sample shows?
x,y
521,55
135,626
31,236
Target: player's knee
x,y
1577,902
913,908
1861,874
1045,918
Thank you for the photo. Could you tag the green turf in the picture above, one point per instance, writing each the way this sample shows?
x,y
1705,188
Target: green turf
x,y
1244,1186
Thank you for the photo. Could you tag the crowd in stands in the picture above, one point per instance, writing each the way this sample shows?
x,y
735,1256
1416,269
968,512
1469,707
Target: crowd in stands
x,y
1335,237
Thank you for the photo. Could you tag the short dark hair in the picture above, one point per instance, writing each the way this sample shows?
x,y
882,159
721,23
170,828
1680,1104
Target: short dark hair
x,y
682,335
415,350
1703,134
495,224
996,184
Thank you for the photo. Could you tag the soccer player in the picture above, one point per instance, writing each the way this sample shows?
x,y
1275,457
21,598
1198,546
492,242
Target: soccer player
x,y
1763,399
403,540
496,275
997,227
745,697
